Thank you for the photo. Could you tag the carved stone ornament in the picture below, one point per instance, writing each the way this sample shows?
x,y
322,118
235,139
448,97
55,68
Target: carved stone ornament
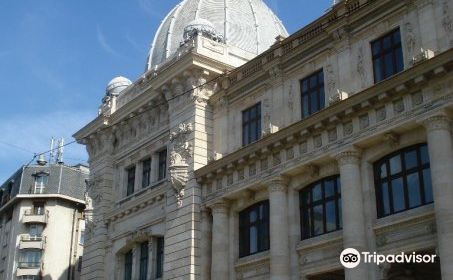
x,y
180,147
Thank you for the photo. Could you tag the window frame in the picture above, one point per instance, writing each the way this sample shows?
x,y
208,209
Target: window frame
x,y
144,259
160,245
403,174
380,56
130,180
318,89
336,198
262,224
247,123
146,172
162,164
40,183
128,265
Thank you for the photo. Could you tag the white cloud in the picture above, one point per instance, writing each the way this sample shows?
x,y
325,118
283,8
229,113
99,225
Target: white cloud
x,y
104,44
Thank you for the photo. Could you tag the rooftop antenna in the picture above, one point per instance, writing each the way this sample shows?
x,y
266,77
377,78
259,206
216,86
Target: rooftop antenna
x,y
52,151
60,151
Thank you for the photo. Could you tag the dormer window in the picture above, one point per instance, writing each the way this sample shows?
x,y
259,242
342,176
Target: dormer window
x,y
41,181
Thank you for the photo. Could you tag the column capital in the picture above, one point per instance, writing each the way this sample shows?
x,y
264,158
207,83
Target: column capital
x,y
277,184
351,156
220,207
437,122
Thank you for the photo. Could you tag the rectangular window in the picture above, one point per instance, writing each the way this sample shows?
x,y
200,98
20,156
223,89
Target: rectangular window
x,y
320,207
312,94
128,265
403,180
35,232
251,124
387,56
254,229
82,238
162,165
41,182
38,208
79,264
130,181
160,257
30,259
143,261
146,173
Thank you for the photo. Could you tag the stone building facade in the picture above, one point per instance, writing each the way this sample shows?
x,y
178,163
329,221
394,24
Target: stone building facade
x,y
42,222
337,136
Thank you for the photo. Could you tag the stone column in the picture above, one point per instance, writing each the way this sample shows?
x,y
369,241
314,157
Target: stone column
x,y
441,163
279,238
205,244
220,266
154,168
354,234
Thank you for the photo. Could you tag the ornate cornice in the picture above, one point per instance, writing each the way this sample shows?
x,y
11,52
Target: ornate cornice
x,y
438,122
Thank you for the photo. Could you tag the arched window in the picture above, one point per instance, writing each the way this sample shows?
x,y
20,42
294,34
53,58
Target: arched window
x,y
320,207
254,229
403,180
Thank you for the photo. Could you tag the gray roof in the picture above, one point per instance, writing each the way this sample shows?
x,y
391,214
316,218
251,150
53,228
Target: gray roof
x,y
247,24
62,179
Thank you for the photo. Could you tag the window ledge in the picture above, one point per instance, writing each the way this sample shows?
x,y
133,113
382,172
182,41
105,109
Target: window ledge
x,y
252,259
321,241
153,186
412,216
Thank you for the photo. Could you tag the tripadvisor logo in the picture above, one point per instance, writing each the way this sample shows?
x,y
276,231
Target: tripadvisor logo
x,y
351,258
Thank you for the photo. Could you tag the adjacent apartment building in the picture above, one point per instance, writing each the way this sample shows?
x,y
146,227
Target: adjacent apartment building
x,y
245,153
42,222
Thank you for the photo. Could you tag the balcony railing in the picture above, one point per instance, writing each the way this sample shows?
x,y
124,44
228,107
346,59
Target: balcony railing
x,y
32,242
29,265
36,215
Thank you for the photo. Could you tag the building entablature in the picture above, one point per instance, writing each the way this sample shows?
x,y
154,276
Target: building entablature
x,y
374,115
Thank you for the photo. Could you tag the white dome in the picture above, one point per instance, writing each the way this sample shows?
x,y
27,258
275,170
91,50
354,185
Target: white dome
x,y
246,24
117,85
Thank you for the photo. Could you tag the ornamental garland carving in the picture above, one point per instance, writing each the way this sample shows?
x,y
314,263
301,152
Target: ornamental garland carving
x,y
180,147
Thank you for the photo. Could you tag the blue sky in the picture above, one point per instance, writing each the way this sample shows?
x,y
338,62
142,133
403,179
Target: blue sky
x,y
56,57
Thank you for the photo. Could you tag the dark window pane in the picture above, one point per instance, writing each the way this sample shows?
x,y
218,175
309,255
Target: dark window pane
x,y
306,223
385,199
251,124
318,220
254,229
331,216
313,81
399,60
376,48
329,188
305,86
377,70
322,100
383,170
424,154
305,106
340,213
395,165
410,159
398,195
428,186
413,184
388,62
317,192
314,102
305,198
387,56
387,42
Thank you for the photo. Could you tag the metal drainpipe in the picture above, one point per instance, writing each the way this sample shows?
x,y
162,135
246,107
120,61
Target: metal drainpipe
x,y
72,244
